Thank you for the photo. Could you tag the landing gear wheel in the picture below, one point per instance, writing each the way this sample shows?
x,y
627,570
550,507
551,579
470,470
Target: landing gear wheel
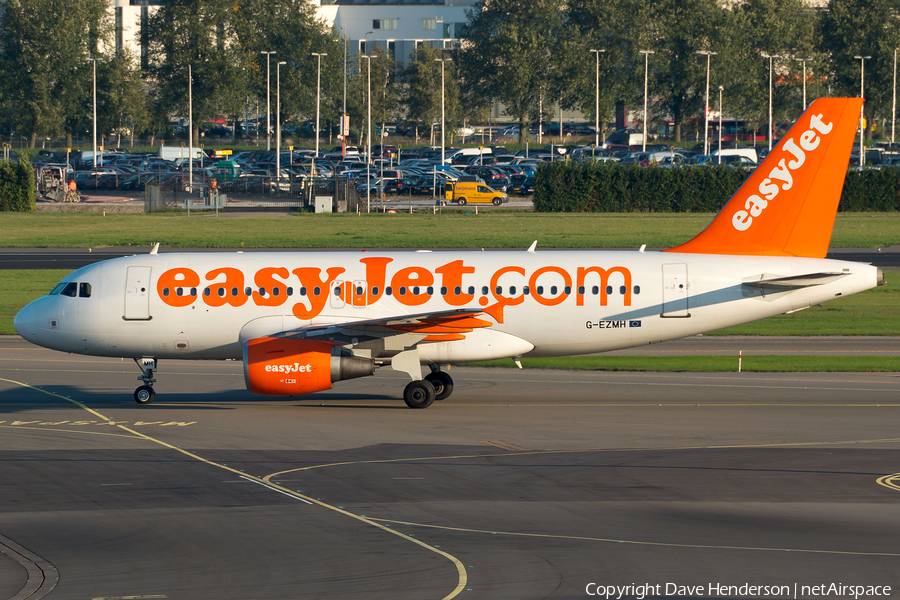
x,y
496,201
419,394
443,384
461,201
144,394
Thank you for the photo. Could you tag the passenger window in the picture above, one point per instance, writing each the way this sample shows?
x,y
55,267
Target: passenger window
x,y
359,290
623,290
302,291
222,292
443,290
609,289
553,290
498,290
71,289
540,290
637,289
526,290
415,290
84,290
262,291
457,290
581,290
234,292
388,290
595,290
206,292
337,291
484,290
276,291
402,290
248,291
471,290
56,290
316,291
512,290
165,292
568,289
194,292
179,291
290,291
430,291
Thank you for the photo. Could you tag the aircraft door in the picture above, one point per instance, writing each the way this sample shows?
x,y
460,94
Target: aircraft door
x,y
338,293
358,294
137,294
675,291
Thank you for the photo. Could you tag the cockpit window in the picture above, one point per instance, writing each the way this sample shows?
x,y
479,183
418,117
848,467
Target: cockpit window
x,y
84,290
70,290
59,287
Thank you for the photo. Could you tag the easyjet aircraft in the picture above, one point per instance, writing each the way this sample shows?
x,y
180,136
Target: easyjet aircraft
x,y
302,321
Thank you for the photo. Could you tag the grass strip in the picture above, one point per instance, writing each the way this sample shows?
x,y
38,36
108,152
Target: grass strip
x,y
453,229
709,364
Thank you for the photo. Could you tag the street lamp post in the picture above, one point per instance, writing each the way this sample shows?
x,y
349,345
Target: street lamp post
x,y
94,155
646,54
278,122
443,128
804,61
318,56
190,129
344,114
708,55
268,101
862,94
369,136
720,123
771,79
894,100
597,98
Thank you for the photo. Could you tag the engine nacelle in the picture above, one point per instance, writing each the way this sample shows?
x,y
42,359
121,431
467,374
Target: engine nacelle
x,y
290,367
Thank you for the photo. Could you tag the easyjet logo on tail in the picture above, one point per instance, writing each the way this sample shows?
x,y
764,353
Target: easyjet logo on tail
x,y
781,177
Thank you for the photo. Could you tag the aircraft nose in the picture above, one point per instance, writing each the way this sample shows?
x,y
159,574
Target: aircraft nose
x,y
24,322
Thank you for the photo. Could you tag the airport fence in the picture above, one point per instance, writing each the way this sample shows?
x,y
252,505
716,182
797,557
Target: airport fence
x,y
573,187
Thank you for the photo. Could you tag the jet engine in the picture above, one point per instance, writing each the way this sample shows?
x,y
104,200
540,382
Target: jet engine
x,y
291,367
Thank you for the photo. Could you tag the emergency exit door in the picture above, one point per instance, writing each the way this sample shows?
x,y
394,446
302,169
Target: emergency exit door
x,y
137,294
676,291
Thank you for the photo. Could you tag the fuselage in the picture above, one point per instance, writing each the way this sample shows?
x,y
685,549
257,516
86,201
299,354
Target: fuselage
x,y
544,303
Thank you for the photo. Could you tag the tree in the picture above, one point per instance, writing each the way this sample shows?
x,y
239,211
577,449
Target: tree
x,y
510,53
611,27
421,96
44,47
200,37
863,28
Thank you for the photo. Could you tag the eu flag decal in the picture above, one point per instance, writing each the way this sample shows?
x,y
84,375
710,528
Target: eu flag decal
x,y
634,323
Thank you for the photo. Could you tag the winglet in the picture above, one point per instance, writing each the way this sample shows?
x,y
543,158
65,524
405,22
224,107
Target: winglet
x,y
788,204
532,246
155,249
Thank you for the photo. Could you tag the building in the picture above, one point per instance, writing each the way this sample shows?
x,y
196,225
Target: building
x,y
397,26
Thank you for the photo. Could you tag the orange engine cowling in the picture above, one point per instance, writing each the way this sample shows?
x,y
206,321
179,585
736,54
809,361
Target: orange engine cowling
x,y
290,367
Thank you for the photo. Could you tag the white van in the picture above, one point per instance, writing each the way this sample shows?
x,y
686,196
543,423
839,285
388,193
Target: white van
x,y
451,154
745,152
176,153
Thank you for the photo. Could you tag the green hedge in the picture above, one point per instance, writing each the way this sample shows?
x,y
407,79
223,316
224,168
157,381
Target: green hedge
x,y
17,186
572,187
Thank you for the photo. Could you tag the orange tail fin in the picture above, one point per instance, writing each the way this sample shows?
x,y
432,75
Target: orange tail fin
x,y
788,204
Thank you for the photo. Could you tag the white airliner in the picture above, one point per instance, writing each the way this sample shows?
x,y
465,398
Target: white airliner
x,y
302,321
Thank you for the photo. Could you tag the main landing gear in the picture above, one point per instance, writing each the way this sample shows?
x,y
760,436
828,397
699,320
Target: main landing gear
x,y
145,393
437,385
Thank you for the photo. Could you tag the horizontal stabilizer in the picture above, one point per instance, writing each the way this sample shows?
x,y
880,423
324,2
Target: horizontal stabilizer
x,y
794,282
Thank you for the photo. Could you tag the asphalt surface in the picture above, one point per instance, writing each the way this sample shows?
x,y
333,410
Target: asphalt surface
x,y
75,258
523,484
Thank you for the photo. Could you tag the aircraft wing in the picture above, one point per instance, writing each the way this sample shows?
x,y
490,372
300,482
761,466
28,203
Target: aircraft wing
x,y
437,326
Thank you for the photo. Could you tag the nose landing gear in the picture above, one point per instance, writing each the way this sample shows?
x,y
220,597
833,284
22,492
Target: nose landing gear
x,y
145,394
